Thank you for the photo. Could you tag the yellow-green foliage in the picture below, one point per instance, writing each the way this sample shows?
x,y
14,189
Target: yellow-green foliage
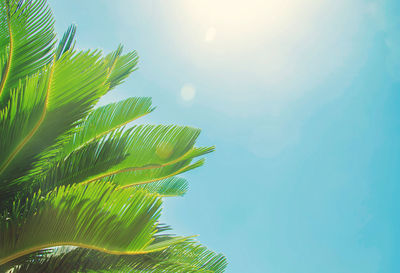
x,y
81,187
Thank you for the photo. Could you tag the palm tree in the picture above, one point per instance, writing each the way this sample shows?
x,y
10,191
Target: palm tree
x,y
81,188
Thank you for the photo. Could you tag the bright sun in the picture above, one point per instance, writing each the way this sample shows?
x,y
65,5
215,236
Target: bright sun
x,y
238,19
272,50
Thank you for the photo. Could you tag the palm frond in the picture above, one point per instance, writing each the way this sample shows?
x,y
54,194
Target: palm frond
x,y
185,257
117,67
28,26
60,96
95,216
96,157
130,178
112,159
106,119
120,66
156,151
31,258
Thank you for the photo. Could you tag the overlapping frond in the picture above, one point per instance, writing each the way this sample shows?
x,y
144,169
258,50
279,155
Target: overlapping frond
x,y
32,258
64,92
185,257
127,178
156,151
91,159
107,119
27,27
128,158
95,216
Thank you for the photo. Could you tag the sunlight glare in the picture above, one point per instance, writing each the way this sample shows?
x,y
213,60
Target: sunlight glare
x,y
210,34
188,92
238,18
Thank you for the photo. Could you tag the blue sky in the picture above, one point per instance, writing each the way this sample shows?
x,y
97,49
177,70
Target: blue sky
x,y
301,99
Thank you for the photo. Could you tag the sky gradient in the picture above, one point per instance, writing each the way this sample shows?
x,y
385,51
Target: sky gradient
x,y
301,99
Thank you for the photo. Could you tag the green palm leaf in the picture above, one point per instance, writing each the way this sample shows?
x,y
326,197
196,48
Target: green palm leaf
x,y
186,257
106,119
126,158
101,121
138,177
95,216
96,157
121,66
28,26
157,151
64,92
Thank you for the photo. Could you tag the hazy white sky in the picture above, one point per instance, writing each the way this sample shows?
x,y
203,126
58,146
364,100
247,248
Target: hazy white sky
x,y
269,50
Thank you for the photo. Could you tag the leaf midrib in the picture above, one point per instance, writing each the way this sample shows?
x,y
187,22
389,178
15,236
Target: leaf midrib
x,y
97,136
154,179
149,167
113,252
10,55
34,129
118,126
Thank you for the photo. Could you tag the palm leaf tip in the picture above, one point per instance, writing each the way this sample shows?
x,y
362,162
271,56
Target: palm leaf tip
x,y
175,186
67,42
120,66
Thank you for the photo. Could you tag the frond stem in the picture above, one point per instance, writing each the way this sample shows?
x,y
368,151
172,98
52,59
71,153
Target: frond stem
x,y
113,252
